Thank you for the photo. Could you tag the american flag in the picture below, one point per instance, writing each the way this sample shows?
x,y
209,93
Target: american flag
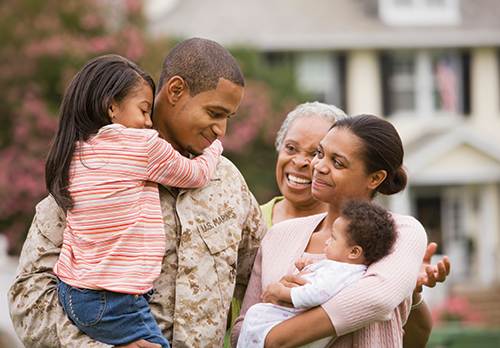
x,y
447,87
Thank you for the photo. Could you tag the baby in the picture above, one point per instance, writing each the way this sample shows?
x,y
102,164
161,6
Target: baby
x,y
362,234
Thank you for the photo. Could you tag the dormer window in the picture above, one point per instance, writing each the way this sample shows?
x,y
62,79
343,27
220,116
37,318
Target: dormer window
x,y
419,12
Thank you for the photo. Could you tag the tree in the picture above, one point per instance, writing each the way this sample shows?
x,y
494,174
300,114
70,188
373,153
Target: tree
x,y
42,45
270,94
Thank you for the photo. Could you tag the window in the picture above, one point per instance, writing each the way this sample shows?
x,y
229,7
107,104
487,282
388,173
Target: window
x,y
277,59
419,12
402,83
436,3
425,83
429,214
322,76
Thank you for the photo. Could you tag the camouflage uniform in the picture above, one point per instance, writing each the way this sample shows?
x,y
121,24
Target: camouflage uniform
x,y
212,235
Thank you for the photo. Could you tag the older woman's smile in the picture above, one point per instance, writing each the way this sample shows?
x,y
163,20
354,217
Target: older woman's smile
x,y
298,182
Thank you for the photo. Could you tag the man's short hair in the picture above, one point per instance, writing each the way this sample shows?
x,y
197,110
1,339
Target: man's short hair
x,y
200,63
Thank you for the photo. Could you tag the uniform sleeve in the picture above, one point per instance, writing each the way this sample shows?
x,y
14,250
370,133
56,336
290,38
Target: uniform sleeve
x,y
253,232
385,285
252,296
36,314
168,167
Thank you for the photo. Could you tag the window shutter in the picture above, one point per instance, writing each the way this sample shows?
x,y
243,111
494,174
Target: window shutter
x,y
342,66
465,84
385,73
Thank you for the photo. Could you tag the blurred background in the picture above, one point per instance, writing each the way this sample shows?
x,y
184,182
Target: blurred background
x,y
431,67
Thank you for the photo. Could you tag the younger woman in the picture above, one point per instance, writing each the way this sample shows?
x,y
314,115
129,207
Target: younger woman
x,y
103,169
361,235
358,158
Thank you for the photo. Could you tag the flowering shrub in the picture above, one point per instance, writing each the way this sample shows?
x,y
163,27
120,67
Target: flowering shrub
x,y
42,46
270,94
456,309
256,119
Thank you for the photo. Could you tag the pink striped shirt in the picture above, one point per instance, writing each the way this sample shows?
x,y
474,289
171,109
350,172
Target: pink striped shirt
x,y
115,238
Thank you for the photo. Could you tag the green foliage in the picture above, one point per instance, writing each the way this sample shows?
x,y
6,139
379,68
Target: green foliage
x,y
42,45
270,93
459,335
276,69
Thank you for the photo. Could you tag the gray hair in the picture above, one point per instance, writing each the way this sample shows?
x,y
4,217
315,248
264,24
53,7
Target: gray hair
x,y
326,111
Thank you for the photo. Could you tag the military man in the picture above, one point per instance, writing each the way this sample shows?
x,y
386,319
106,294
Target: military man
x,y
212,232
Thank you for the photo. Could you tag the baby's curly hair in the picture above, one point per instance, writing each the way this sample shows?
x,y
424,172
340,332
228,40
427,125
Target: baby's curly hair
x,y
371,227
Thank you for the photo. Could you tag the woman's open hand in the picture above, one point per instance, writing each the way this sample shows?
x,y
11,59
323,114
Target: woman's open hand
x,y
429,274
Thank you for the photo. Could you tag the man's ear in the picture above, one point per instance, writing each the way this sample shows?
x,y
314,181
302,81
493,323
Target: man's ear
x,y
376,179
175,88
356,252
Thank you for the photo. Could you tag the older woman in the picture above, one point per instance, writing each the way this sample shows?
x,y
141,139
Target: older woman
x,y
359,157
297,144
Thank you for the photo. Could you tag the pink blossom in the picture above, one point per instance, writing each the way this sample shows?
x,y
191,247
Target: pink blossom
x,y
238,136
253,119
99,45
135,48
456,308
90,21
31,96
133,6
53,46
43,21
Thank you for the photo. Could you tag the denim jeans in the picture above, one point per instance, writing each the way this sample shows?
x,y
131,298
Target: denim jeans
x,y
111,317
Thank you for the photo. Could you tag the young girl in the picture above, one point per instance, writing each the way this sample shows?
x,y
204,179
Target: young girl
x,y
103,169
361,235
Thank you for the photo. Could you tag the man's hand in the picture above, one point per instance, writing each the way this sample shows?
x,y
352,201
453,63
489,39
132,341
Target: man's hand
x,y
142,344
274,291
292,281
429,274
287,282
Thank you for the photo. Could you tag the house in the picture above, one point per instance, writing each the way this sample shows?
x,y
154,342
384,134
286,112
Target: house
x,y
431,67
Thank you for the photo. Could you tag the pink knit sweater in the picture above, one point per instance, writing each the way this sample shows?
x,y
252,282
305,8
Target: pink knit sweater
x,y
369,313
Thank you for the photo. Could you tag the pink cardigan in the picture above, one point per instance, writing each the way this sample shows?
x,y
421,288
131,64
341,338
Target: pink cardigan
x,y
369,313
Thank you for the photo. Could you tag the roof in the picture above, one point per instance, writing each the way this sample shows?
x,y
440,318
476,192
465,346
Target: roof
x,y
463,155
296,25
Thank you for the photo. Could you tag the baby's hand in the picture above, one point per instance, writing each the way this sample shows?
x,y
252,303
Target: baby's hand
x,y
303,262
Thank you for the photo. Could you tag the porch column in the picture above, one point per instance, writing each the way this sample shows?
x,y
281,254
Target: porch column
x,y
400,203
489,228
363,83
